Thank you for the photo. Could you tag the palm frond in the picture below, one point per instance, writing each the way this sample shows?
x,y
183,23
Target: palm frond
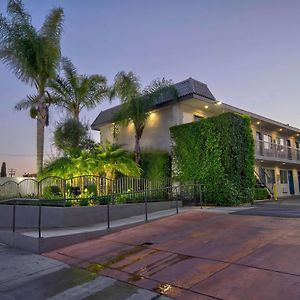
x,y
74,91
16,10
27,103
158,89
53,25
127,86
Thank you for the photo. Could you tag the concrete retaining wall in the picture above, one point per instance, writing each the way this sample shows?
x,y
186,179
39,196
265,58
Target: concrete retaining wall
x,y
27,216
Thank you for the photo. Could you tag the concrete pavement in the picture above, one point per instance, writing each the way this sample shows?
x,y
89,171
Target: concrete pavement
x,y
27,276
200,255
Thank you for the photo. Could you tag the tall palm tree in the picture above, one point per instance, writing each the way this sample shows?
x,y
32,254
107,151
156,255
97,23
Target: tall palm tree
x,y
33,55
136,102
74,92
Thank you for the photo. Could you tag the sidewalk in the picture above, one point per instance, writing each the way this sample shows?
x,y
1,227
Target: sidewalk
x,y
27,276
55,238
60,237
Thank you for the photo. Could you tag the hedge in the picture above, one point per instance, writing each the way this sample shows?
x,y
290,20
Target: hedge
x,y
261,194
218,152
155,164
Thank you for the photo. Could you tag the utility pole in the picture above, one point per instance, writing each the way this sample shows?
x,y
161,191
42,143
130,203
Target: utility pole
x,y
11,172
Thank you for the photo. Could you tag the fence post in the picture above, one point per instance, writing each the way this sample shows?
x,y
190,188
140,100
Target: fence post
x,y
176,202
40,220
14,217
201,196
108,215
146,207
65,187
38,186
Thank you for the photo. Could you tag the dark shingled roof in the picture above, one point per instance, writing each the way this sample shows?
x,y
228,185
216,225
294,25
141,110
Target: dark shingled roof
x,y
184,88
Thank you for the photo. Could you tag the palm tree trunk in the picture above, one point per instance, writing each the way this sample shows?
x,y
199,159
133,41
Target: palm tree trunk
x,y
137,150
76,113
40,130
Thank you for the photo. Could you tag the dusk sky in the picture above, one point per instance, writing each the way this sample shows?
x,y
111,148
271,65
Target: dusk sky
x,y
247,52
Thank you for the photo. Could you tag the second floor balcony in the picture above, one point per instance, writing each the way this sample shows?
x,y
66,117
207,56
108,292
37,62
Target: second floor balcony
x,y
277,152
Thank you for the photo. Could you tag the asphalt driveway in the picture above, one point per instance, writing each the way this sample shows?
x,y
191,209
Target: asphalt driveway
x,y
288,208
201,255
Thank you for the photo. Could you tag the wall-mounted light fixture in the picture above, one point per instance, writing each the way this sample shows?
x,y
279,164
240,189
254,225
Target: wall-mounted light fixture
x,y
258,122
206,106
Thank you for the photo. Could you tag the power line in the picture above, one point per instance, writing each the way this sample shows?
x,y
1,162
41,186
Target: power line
x,y
18,154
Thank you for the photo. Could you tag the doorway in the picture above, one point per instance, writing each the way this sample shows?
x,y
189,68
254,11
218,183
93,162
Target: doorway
x,y
291,182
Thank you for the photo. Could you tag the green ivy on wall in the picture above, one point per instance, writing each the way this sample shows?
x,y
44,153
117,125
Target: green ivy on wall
x,y
155,164
218,152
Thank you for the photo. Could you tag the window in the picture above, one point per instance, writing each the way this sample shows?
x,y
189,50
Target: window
x,y
267,141
197,118
270,176
283,177
280,141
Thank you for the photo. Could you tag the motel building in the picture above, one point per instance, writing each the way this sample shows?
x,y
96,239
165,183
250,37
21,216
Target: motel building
x,y
277,152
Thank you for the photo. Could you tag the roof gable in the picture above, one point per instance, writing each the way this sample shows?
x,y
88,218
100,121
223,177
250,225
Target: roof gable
x,y
184,88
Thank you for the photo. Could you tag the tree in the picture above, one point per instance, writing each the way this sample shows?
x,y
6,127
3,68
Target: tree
x,y
74,92
136,103
72,137
105,159
3,170
33,56
111,159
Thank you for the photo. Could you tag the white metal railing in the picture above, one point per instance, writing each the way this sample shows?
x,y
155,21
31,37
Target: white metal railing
x,y
274,150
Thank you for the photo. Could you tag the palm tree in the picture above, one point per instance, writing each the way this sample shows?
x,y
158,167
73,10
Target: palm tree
x,y
33,55
111,159
136,103
74,92
105,159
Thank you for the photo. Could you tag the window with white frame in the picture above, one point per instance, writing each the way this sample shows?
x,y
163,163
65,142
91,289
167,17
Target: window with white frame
x,y
283,177
267,141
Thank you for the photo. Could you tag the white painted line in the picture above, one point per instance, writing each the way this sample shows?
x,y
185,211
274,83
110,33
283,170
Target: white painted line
x,y
82,291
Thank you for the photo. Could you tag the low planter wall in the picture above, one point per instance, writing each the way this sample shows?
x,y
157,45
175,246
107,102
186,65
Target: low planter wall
x,y
27,216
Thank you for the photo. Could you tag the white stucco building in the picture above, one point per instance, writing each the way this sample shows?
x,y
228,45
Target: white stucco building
x,y
277,152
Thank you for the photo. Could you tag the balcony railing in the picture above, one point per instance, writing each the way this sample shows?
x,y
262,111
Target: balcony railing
x,y
272,150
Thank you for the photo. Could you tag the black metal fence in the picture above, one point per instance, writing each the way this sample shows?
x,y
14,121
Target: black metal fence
x,y
188,193
80,187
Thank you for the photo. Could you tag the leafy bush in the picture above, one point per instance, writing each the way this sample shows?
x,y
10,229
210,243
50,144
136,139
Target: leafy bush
x,y
84,202
261,194
52,191
218,152
155,164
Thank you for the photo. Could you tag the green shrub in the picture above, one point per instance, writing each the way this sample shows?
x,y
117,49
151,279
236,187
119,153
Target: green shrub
x,y
155,164
261,194
84,202
52,191
218,152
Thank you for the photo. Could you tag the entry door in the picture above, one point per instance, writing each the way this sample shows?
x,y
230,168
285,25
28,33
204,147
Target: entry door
x,y
291,182
298,172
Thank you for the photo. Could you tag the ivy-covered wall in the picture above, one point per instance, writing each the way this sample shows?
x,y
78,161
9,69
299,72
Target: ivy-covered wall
x,y
155,164
218,152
